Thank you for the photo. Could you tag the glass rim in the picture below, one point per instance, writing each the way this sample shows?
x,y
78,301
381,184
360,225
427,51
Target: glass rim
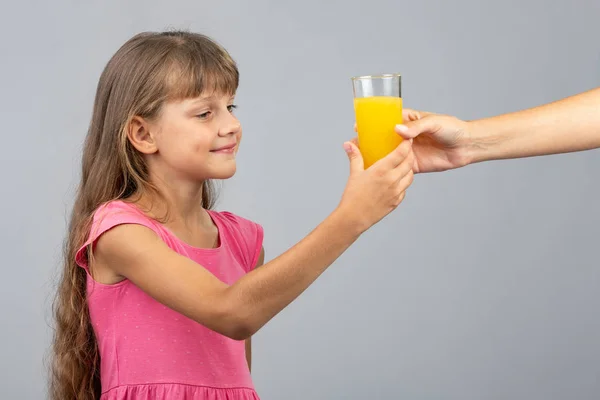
x,y
380,76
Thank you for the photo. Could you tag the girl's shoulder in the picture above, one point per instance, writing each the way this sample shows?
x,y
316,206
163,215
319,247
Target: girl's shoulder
x,y
106,217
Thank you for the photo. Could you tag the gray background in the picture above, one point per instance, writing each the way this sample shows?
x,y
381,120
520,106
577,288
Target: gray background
x,y
483,285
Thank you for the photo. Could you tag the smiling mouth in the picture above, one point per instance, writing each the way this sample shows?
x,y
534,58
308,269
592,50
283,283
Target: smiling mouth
x,y
226,149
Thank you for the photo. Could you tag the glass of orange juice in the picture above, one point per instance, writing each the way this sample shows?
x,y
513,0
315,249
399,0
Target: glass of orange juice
x,y
378,109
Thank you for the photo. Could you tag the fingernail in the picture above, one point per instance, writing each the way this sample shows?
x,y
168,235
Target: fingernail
x,y
401,128
348,147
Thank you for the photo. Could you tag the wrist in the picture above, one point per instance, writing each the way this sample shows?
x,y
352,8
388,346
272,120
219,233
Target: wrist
x,y
348,221
484,141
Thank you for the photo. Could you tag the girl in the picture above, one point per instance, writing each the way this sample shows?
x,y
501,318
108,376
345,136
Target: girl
x,y
160,294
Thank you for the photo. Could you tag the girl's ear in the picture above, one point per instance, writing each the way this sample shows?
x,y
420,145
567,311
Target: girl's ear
x,y
139,135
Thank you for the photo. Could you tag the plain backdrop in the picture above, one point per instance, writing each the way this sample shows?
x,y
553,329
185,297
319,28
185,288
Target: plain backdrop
x,y
484,284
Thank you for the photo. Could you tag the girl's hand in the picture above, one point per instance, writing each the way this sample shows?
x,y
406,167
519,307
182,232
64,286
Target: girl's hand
x,y
373,193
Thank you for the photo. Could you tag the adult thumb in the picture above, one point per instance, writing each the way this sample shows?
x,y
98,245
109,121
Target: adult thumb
x,y
356,160
412,129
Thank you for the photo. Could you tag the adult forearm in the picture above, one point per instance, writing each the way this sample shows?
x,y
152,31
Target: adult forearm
x,y
568,125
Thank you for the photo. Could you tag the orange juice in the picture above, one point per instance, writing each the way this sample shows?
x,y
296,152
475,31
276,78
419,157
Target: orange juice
x,y
376,118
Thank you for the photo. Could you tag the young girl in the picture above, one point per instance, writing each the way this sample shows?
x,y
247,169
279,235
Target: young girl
x,y
160,294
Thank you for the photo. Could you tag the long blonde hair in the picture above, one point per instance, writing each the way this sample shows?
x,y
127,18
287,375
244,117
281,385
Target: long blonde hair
x,y
148,70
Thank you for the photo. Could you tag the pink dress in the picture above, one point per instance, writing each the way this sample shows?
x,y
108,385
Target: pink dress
x,y
147,350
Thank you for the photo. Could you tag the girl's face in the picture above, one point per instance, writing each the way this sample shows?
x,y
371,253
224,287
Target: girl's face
x,y
193,139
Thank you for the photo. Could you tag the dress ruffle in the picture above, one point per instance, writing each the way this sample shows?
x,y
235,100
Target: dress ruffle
x,y
178,392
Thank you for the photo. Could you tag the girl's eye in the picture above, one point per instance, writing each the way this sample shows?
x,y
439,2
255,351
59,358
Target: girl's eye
x,y
204,115
231,108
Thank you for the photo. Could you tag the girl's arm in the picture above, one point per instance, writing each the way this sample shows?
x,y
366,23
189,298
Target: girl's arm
x,y
237,311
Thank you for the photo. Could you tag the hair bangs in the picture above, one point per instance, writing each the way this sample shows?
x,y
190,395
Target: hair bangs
x,y
202,73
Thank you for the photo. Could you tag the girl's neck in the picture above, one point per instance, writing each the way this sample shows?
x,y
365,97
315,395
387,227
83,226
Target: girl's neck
x,y
181,204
